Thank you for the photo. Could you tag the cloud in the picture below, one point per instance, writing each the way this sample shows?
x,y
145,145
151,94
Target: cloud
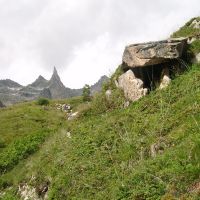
x,y
83,39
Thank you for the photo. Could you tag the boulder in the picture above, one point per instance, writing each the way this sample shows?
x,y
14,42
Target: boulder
x,y
196,59
195,24
132,86
72,116
152,53
108,94
165,78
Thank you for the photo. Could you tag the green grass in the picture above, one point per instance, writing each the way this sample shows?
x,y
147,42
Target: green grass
x,y
195,47
24,119
109,155
187,30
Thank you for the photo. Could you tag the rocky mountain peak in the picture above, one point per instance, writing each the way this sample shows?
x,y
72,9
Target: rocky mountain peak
x,y
55,78
40,82
56,86
55,74
97,86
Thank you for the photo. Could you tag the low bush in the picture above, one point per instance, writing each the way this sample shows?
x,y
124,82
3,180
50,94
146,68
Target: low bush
x,y
42,102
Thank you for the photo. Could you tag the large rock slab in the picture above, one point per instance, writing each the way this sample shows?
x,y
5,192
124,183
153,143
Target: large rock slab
x,y
132,86
152,53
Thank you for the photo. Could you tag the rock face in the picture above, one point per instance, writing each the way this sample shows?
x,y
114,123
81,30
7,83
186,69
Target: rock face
x,y
97,86
132,86
45,93
152,53
40,82
56,87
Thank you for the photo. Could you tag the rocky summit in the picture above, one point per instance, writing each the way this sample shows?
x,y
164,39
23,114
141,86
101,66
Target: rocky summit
x,y
12,92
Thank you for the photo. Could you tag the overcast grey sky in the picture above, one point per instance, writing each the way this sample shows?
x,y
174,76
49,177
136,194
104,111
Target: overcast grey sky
x,y
84,39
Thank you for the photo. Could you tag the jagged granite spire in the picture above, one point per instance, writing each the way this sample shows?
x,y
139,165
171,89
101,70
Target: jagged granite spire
x,y
55,71
56,86
55,78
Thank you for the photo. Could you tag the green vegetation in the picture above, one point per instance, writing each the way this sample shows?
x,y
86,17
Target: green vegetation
x,y
187,30
43,102
148,151
86,93
195,46
20,149
109,154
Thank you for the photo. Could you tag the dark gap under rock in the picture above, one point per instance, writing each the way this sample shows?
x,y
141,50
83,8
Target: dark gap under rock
x,y
152,75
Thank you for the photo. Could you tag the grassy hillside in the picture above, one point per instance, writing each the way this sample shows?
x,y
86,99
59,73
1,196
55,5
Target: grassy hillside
x,y
188,30
150,150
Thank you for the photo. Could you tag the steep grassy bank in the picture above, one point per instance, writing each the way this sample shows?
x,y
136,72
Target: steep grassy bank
x,y
150,150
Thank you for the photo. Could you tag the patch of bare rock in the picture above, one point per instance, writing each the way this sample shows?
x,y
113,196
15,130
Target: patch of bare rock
x,y
70,115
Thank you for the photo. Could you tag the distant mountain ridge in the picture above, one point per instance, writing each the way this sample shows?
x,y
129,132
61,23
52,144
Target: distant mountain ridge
x,y
11,92
9,83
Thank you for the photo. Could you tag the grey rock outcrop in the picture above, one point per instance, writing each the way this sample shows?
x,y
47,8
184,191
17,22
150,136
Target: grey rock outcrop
x,y
165,78
147,66
132,86
152,53
196,59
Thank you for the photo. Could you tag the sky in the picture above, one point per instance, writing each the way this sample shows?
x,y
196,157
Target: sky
x,y
83,39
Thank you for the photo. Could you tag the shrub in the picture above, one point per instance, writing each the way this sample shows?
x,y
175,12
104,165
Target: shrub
x,y
43,102
86,93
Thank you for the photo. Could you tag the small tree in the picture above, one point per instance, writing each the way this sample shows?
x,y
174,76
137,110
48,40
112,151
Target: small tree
x,y
86,93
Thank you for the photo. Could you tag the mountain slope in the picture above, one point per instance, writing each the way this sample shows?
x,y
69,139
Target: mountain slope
x,y
147,151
